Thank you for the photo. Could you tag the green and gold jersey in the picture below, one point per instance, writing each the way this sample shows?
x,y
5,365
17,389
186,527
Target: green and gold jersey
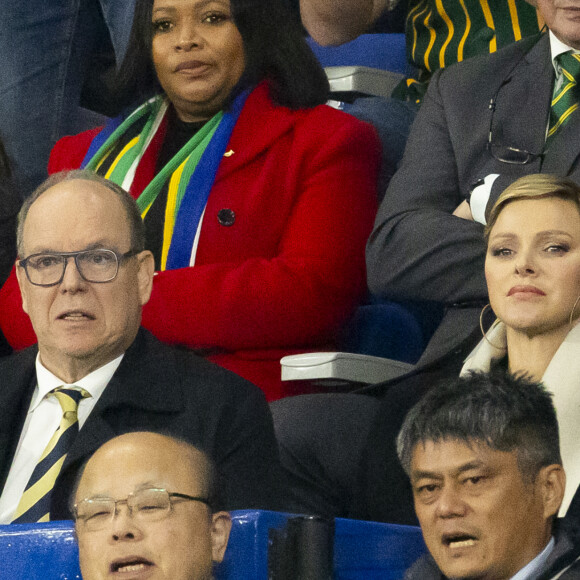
x,y
441,32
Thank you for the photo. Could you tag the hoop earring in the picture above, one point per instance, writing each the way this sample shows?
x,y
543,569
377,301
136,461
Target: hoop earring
x,y
573,308
496,321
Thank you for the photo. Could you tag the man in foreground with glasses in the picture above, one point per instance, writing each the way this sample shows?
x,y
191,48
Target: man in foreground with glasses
x,y
483,456
143,508
84,276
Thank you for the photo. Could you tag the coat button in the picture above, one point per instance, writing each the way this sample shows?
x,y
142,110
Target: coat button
x,y
226,217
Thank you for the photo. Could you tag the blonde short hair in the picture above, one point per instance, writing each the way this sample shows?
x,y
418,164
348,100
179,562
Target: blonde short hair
x,y
535,186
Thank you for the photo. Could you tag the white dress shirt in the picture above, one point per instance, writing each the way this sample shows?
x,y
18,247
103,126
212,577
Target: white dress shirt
x,y
534,569
43,418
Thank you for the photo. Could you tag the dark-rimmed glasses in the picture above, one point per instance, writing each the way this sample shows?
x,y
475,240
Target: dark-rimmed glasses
x,y
146,505
499,151
97,266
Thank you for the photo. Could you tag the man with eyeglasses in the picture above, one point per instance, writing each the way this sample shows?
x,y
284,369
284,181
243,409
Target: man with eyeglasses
x,y
84,276
144,507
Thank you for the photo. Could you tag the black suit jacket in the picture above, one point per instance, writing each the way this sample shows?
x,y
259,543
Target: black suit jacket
x,y
418,250
160,388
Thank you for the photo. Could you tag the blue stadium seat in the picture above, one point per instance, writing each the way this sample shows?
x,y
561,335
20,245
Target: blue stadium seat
x,y
382,51
362,551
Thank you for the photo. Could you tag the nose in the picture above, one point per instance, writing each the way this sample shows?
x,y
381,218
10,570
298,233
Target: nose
x,y
72,281
450,503
188,37
524,264
124,527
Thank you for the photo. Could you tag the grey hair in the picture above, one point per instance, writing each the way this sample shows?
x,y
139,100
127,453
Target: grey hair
x,y
135,223
503,411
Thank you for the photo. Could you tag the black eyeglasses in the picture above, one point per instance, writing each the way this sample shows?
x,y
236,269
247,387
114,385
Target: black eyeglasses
x,y
146,505
96,266
499,151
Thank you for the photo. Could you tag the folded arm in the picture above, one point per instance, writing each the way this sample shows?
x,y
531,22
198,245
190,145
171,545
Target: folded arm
x,y
423,247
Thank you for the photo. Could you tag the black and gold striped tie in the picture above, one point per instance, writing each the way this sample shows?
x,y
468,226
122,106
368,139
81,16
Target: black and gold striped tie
x,y
566,95
34,505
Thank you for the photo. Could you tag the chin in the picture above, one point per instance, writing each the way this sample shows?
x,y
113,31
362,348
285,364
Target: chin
x,y
536,327
464,570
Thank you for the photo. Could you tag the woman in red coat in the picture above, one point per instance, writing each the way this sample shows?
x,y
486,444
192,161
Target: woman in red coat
x,y
257,198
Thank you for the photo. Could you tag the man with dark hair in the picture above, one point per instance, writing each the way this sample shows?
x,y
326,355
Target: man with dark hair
x,y
145,506
84,276
483,457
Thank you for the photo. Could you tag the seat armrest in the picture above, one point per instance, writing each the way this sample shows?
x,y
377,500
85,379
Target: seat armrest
x,y
362,80
341,367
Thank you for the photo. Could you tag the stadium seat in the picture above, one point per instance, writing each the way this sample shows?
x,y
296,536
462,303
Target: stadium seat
x,y
370,65
382,341
380,51
362,550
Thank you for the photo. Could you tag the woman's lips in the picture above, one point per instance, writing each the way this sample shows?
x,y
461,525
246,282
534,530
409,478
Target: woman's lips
x,y
522,290
192,66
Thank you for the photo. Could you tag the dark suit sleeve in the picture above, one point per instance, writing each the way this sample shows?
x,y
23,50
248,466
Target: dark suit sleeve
x,y
418,249
248,455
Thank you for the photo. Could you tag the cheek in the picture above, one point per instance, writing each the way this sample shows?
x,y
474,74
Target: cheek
x,y
233,53
493,278
91,554
158,57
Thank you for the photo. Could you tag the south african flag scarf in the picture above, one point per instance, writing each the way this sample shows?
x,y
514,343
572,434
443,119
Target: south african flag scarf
x,y
117,150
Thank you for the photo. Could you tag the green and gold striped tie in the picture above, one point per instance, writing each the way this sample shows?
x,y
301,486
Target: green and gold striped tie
x,y
34,505
566,95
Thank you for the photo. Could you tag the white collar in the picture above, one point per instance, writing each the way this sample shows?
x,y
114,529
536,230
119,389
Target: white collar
x,y
533,568
557,47
94,383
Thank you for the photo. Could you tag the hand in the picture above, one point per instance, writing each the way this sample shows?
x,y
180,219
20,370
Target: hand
x,y
463,211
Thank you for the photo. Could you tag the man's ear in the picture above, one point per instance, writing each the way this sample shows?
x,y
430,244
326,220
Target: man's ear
x,y
553,484
145,276
22,283
221,524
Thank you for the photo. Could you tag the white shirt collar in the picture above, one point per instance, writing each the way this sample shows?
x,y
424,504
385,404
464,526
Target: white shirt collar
x,y
557,47
532,569
94,383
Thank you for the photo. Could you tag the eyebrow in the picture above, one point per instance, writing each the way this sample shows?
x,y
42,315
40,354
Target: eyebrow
x,y
140,487
426,474
201,5
99,245
539,235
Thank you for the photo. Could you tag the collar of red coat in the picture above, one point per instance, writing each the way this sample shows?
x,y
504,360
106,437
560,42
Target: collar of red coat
x,y
259,110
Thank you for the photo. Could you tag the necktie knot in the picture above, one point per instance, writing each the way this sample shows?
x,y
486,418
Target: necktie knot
x,y
69,400
569,65
566,92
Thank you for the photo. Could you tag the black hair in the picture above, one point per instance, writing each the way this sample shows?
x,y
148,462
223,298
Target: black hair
x,y
275,50
5,171
10,202
504,411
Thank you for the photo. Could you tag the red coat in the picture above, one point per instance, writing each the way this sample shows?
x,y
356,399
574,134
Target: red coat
x,y
287,274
